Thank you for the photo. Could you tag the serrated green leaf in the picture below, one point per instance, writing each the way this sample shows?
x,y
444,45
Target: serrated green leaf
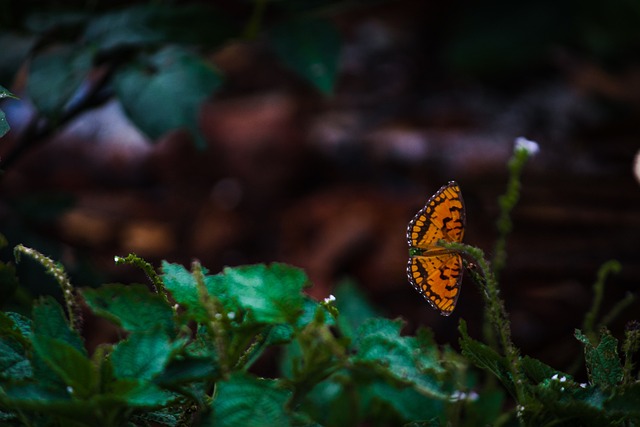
x,y
335,401
49,320
143,355
165,92
484,357
250,402
380,347
182,285
55,76
272,294
72,366
603,363
133,307
311,47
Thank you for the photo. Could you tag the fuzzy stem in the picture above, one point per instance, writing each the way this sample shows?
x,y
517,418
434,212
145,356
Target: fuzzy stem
x,y
588,326
57,271
156,281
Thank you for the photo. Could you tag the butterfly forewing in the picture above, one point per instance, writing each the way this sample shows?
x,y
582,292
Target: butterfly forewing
x,y
436,272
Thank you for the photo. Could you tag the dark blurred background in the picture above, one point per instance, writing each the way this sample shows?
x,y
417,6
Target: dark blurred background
x,y
426,92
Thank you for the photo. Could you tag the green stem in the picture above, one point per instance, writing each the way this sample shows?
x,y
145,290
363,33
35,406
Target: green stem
x,y
588,326
57,271
156,281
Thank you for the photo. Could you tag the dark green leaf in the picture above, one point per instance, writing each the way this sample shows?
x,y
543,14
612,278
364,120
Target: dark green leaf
x,y
165,92
538,371
72,366
382,348
250,402
189,370
140,393
14,364
603,363
55,76
311,47
484,357
50,321
354,307
142,356
407,402
626,401
133,307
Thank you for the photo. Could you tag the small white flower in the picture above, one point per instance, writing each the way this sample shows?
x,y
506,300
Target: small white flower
x,y
583,385
563,379
231,315
329,299
554,377
69,389
116,259
522,143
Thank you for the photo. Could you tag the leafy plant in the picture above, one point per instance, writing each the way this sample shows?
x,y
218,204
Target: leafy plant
x,y
191,338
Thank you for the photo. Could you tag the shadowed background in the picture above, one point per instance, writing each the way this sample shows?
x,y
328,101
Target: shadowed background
x,y
425,93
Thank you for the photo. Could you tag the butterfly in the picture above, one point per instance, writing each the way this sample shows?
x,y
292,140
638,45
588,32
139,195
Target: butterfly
x,y
436,272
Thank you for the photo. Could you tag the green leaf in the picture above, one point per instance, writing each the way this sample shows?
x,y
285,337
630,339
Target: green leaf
x,y
4,125
49,320
250,402
189,370
72,366
55,76
143,355
164,92
626,401
141,394
14,364
407,402
484,357
404,359
354,307
538,371
603,363
182,285
311,47
133,307
272,294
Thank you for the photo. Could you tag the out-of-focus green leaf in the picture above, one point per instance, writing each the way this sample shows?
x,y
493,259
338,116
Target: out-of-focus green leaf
x,y
72,366
14,364
164,92
311,47
353,306
247,401
49,320
133,307
55,76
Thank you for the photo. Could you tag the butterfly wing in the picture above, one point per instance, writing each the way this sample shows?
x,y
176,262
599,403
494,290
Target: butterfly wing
x,y
436,272
442,217
437,278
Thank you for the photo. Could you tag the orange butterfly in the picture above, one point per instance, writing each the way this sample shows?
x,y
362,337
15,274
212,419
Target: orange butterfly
x,y
436,272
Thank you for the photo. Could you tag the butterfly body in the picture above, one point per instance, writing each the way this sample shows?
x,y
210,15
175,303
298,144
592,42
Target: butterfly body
x,y
434,271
